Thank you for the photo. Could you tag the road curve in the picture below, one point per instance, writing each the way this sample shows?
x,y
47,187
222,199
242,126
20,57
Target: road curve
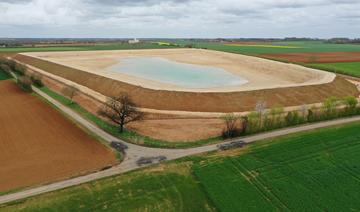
x,y
134,152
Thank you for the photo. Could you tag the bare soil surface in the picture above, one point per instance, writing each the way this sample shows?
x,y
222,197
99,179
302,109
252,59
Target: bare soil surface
x,y
176,130
316,57
7,54
197,101
38,145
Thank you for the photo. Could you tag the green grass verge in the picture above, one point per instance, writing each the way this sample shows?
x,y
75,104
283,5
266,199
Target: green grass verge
x,y
351,68
4,76
310,171
128,136
116,46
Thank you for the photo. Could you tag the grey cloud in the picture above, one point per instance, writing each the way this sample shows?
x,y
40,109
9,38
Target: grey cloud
x,y
191,18
13,1
344,1
132,2
354,16
243,12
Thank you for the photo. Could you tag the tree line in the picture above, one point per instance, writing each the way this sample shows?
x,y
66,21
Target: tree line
x,y
262,119
23,78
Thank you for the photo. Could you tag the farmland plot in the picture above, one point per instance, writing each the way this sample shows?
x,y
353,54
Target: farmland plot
x,y
309,172
38,145
352,69
312,171
169,188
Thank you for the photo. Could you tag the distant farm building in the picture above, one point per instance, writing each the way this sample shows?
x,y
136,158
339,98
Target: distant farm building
x,y
134,41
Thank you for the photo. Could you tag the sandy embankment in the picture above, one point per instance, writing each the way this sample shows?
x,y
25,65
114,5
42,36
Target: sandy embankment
x,y
260,73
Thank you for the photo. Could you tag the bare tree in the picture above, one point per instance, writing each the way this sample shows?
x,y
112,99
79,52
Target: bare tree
x,y
121,110
70,91
25,83
303,110
244,124
260,108
230,125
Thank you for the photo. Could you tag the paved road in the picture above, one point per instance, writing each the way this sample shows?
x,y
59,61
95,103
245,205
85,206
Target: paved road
x,y
134,152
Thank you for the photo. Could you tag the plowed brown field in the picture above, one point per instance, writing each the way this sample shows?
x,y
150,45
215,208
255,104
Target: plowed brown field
x,y
316,57
38,145
175,130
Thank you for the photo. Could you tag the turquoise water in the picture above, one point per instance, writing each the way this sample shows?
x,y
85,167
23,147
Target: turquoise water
x,y
180,74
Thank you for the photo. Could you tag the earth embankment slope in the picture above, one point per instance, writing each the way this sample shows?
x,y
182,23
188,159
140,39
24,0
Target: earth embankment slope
x,y
258,73
198,101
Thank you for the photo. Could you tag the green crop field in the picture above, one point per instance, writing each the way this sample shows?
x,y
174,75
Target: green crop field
x,y
118,46
317,171
343,68
289,47
172,189
257,49
310,171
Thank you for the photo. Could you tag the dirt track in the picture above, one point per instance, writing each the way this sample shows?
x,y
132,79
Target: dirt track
x,y
39,145
316,57
194,101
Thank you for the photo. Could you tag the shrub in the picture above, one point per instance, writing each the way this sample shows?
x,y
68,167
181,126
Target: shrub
x,y
253,123
5,68
25,83
244,124
260,108
277,116
70,92
311,116
37,80
13,66
231,126
330,107
19,69
350,103
289,118
293,118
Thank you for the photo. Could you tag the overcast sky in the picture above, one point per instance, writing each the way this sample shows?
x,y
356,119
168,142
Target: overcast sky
x,y
179,19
